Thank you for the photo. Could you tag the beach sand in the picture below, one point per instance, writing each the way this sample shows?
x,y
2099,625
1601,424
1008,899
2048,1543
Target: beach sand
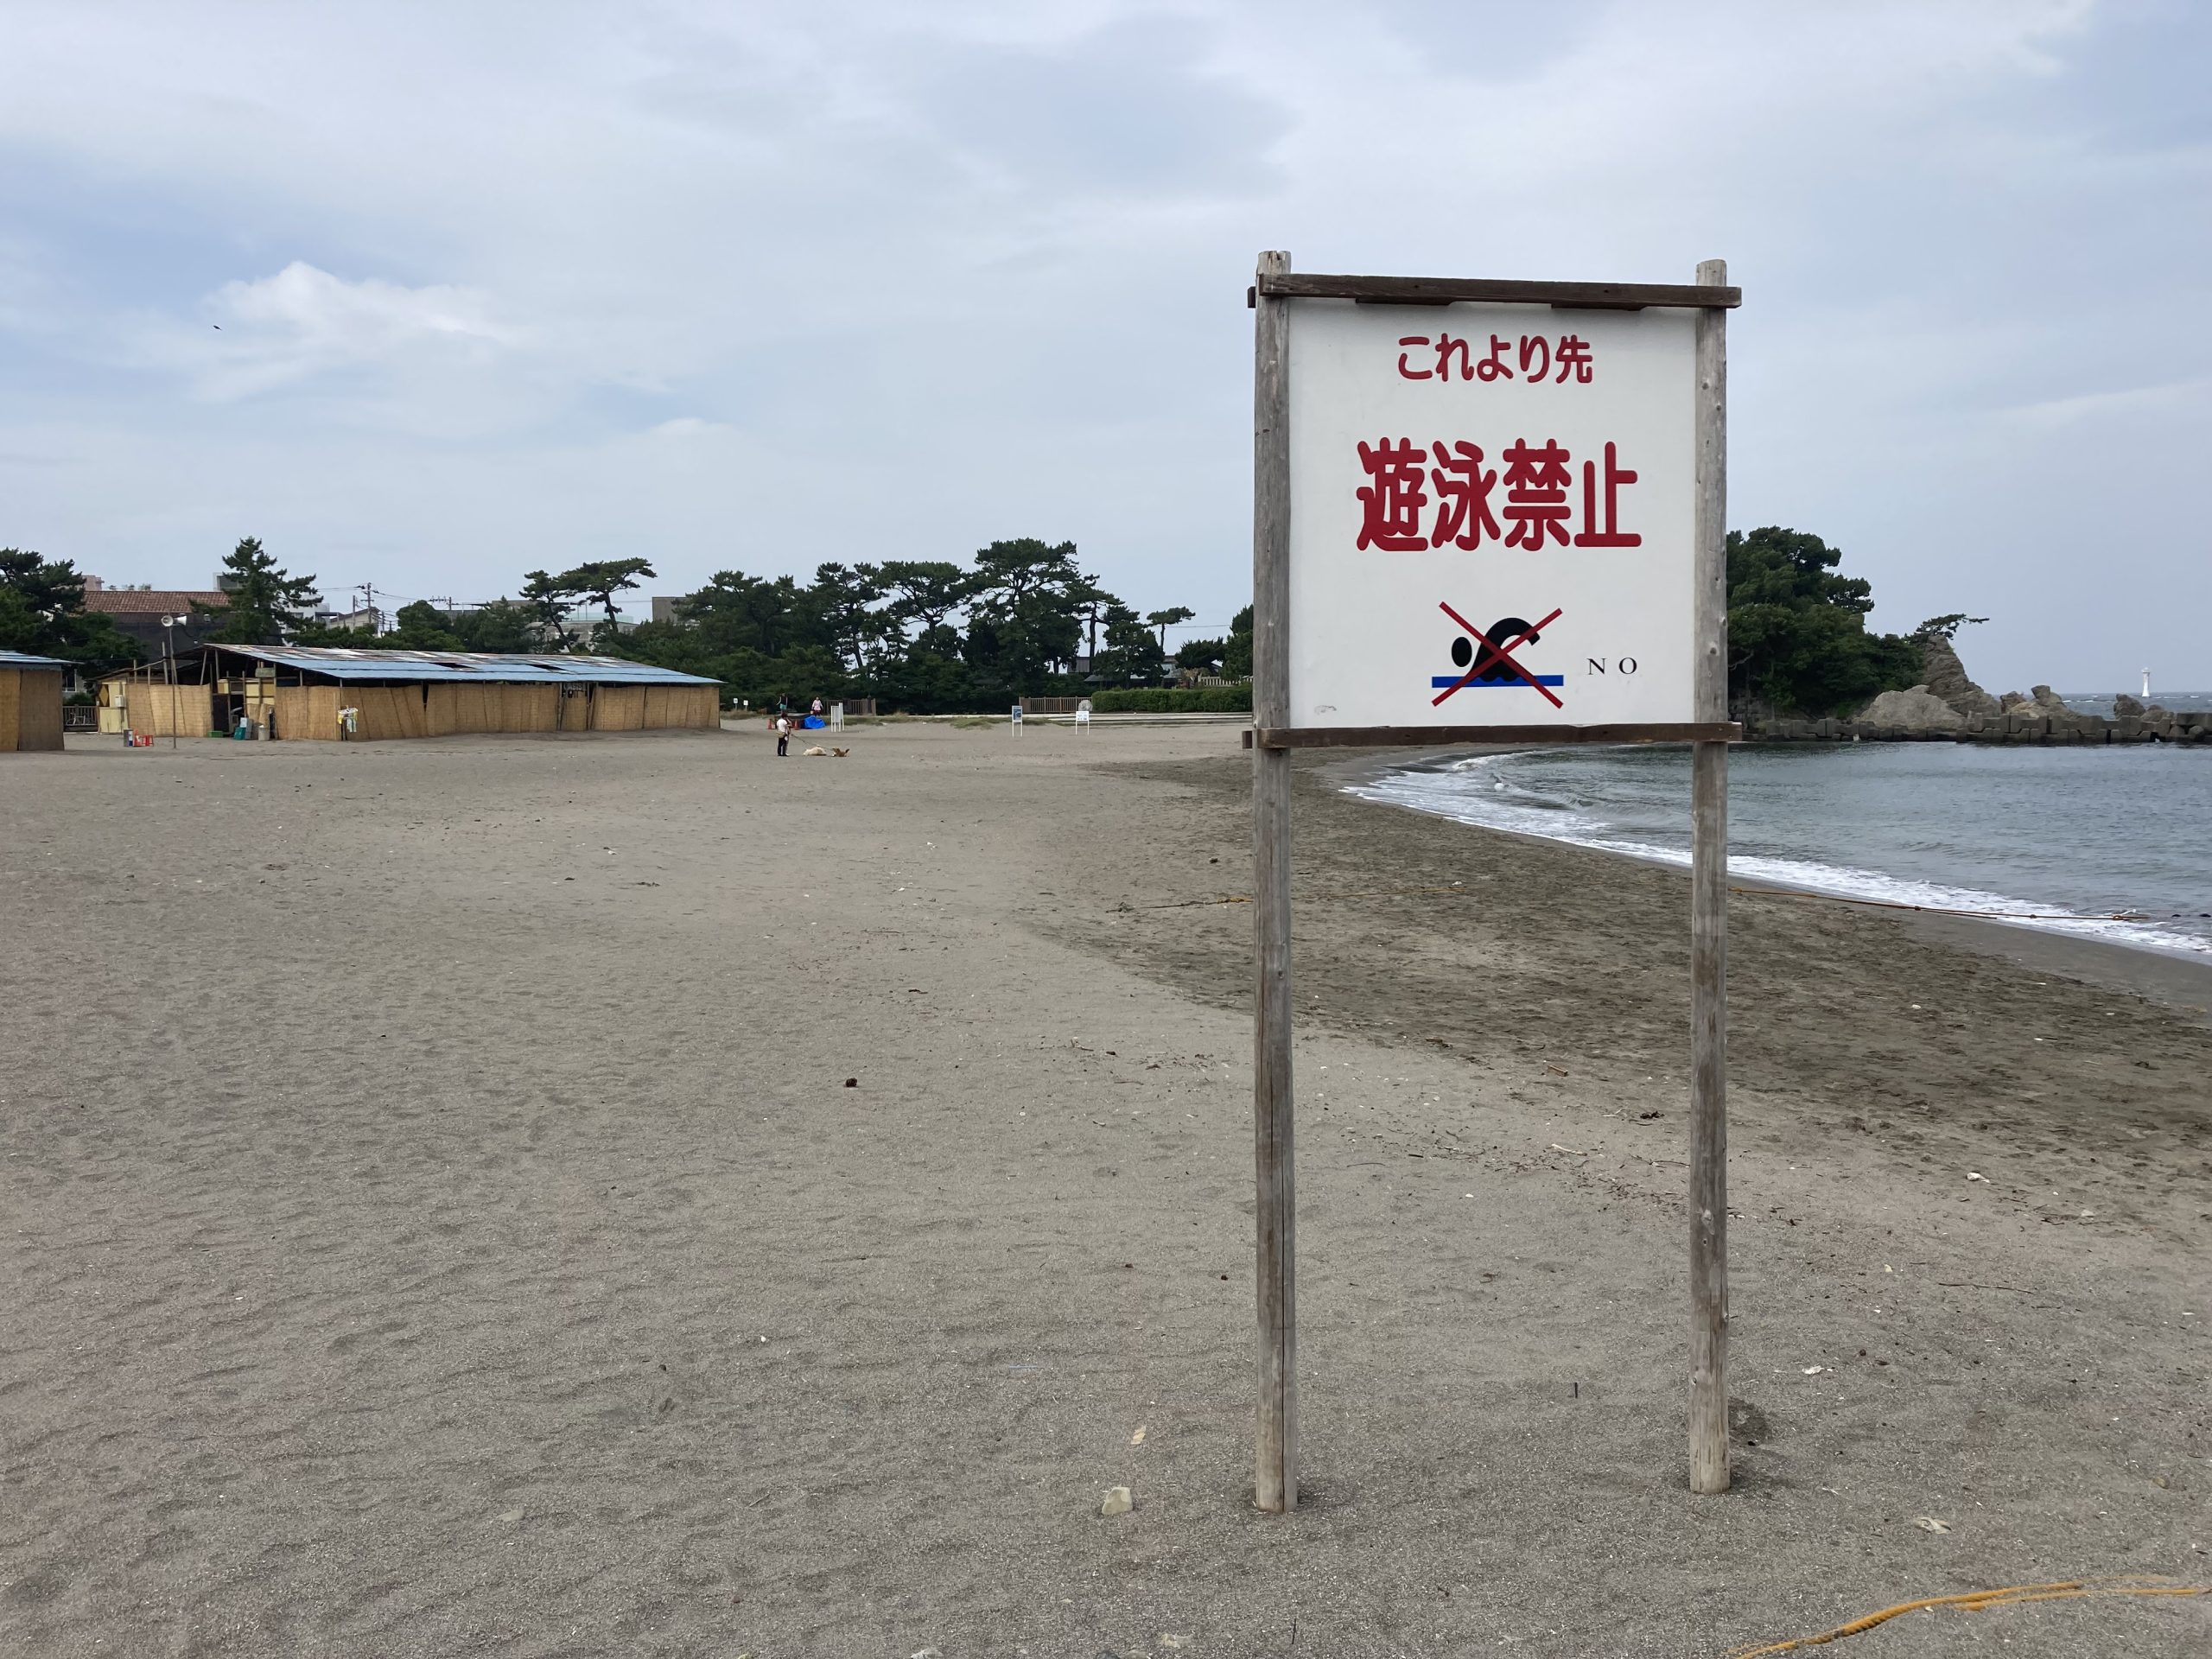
x,y
440,1222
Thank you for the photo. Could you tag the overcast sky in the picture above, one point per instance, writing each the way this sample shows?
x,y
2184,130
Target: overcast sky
x,y
758,285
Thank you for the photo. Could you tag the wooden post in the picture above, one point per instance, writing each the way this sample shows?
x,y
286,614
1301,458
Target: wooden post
x,y
1275,1474
1709,917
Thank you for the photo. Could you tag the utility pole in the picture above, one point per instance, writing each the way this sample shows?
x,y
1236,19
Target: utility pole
x,y
168,655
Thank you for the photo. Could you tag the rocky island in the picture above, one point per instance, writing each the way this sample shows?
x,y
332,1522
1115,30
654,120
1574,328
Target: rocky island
x,y
1948,706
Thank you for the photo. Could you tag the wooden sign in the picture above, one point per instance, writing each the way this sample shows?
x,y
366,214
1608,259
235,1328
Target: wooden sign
x,y
1492,515
1487,511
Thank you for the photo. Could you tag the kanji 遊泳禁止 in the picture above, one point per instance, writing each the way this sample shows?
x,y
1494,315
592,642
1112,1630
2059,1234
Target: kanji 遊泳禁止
x,y
1537,507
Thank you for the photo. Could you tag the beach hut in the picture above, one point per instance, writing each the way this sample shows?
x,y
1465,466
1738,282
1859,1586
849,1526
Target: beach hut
x,y
30,701
330,693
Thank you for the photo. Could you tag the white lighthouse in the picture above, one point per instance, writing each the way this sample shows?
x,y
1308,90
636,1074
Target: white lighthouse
x,y
2146,685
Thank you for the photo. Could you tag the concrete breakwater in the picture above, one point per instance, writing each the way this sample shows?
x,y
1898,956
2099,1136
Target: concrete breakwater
x,y
2153,726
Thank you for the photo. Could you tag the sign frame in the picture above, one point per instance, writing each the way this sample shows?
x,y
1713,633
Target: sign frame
x,y
1275,735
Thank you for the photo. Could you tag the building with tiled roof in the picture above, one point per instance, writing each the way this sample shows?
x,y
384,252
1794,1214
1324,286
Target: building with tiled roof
x,y
138,612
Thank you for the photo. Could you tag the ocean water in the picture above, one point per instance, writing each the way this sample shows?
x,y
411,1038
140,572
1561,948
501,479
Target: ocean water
x,y
2110,843
2099,703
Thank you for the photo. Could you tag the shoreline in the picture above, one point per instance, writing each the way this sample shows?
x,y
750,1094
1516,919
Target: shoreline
x,y
2178,981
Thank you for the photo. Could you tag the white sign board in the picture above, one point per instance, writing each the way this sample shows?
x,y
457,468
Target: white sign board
x,y
1492,515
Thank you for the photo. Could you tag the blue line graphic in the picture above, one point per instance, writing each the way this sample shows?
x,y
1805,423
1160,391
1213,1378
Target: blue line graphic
x,y
1441,681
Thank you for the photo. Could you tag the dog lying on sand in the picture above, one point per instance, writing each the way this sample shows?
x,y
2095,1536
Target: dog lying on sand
x,y
831,754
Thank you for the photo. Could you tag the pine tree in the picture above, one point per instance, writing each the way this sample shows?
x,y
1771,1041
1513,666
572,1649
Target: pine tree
x,y
549,598
266,606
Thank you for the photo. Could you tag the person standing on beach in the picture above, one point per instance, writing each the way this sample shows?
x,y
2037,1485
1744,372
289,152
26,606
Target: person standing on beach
x,y
783,735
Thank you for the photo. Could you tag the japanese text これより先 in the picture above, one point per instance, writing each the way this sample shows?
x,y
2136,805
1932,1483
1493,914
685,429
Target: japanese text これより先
x,y
1447,357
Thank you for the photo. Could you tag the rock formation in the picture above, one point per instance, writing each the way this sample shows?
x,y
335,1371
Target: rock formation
x,y
1947,680
1917,710
2045,704
2125,708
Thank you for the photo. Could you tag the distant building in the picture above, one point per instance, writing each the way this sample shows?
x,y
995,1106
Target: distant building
x,y
668,607
302,691
139,612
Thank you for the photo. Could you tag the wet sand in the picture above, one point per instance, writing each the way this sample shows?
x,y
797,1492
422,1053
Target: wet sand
x,y
441,1224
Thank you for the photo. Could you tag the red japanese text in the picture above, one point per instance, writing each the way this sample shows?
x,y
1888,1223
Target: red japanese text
x,y
1392,501
1533,357
1533,509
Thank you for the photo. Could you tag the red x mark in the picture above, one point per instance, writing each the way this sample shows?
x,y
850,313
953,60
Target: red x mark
x,y
1496,654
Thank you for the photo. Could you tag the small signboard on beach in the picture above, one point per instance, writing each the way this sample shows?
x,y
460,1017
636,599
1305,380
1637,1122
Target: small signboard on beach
x,y
1492,515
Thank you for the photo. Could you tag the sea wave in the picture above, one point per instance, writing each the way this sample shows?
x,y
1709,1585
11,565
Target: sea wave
x,y
1475,791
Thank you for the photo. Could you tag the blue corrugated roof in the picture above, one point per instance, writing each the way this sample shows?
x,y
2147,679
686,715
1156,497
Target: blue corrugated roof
x,y
23,660
415,665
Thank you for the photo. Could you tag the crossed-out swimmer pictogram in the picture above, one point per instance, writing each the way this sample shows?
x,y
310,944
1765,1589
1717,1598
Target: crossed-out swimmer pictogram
x,y
1489,655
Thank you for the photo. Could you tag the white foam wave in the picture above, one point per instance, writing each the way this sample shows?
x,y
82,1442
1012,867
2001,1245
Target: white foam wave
x,y
1487,800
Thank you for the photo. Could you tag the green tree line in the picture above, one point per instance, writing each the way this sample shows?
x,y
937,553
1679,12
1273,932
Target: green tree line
x,y
928,635
935,636
922,636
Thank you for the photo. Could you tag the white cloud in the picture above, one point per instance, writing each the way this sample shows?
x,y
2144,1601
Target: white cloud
x,y
345,320
2167,400
276,332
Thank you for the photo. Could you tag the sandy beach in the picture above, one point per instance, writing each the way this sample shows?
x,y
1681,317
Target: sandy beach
x,y
627,1194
